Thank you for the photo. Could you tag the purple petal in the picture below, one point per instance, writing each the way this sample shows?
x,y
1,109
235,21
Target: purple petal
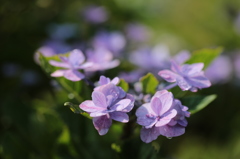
x,y
58,73
192,69
175,67
156,105
102,124
145,115
131,105
183,122
110,89
59,64
98,113
168,75
84,66
73,75
103,80
199,81
119,116
183,84
148,135
89,106
99,99
166,100
115,80
76,58
121,104
166,118
172,131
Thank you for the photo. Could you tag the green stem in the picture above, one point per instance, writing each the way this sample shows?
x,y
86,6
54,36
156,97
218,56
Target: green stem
x,y
70,90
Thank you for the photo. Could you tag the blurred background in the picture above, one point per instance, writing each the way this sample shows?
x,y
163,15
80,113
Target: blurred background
x,y
35,124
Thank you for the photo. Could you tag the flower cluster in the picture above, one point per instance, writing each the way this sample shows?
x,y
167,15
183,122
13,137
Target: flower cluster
x,y
161,114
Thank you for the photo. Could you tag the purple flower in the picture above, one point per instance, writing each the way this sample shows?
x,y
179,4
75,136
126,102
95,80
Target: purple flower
x,y
188,77
72,64
114,41
101,59
151,58
107,104
95,14
162,116
137,32
220,70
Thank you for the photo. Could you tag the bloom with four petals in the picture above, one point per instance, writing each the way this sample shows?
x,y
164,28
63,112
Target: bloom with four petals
x,y
72,64
108,103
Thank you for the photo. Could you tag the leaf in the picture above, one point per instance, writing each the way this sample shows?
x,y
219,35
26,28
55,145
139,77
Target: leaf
x,y
149,83
197,103
124,85
76,109
205,56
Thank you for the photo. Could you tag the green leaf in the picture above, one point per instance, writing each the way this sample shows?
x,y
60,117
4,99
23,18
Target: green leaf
x,y
205,56
124,85
197,103
76,109
149,83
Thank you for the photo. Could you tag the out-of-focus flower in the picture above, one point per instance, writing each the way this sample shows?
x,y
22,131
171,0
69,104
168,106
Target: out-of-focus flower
x,y
114,41
137,32
101,59
107,104
162,116
188,77
220,70
72,64
151,59
132,76
182,57
95,14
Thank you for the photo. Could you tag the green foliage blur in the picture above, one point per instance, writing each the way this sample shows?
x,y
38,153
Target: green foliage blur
x,y
35,124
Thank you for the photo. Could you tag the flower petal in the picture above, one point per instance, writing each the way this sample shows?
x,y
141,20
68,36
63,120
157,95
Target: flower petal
x,y
166,100
131,105
89,106
59,64
148,135
76,58
119,116
145,115
183,84
166,118
192,69
121,104
58,73
98,113
156,105
172,131
168,75
73,75
102,124
99,99
199,81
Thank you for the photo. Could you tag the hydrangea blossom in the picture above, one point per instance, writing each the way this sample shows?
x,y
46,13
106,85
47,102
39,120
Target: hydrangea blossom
x,y
72,64
108,103
113,41
101,59
162,116
95,14
220,70
187,77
